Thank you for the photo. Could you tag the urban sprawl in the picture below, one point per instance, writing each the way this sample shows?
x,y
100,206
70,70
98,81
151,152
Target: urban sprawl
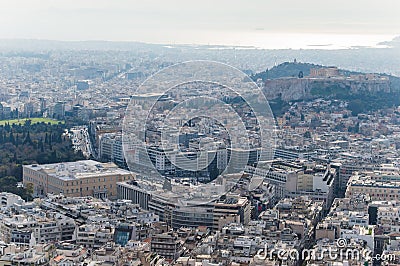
x,y
330,181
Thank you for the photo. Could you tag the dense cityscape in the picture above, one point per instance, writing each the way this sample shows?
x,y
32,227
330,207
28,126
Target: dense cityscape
x,y
139,154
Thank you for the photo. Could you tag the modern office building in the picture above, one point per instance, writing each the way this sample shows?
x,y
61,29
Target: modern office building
x,y
165,205
231,206
123,233
110,148
291,179
378,185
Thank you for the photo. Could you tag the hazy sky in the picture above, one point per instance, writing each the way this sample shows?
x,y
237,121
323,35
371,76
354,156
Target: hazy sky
x,y
189,21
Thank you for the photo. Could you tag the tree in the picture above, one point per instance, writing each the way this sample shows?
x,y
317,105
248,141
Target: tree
x,y
11,138
50,139
356,107
32,149
41,146
28,138
355,129
17,140
307,135
29,188
7,127
27,123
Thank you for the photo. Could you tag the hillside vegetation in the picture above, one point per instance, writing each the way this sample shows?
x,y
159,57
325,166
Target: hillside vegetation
x,y
362,96
28,144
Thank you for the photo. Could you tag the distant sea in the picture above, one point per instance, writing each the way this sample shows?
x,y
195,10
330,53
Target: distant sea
x,y
262,40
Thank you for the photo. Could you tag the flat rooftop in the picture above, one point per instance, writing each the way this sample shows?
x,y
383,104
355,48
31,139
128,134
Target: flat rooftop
x,y
78,169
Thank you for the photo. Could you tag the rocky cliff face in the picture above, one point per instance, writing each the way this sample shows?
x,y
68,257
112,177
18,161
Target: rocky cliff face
x,y
289,89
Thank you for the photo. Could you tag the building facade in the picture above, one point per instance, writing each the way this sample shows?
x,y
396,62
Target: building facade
x,y
76,179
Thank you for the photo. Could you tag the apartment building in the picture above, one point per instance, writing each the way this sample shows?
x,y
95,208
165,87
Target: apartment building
x,y
94,235
39,228
167,245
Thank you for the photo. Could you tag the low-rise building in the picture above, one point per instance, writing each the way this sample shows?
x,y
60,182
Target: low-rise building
x,y
94,235
167,245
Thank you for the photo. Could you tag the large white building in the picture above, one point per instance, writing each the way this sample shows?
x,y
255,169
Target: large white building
x,y
292,179
8,200
167,206
379,185
76,179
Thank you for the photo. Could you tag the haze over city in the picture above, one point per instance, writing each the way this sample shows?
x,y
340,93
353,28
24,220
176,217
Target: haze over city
x,y
264,24
199,133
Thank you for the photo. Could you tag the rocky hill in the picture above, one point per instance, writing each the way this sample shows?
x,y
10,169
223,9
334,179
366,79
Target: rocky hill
x,y
294,81
301,81
292,89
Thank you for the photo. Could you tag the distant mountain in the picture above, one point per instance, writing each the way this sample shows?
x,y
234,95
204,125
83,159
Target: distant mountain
x,y
395,43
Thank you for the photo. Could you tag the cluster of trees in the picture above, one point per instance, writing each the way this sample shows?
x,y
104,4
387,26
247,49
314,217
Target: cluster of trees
x,y
287,69
29,144
367,102
12,115
279,107
10,184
